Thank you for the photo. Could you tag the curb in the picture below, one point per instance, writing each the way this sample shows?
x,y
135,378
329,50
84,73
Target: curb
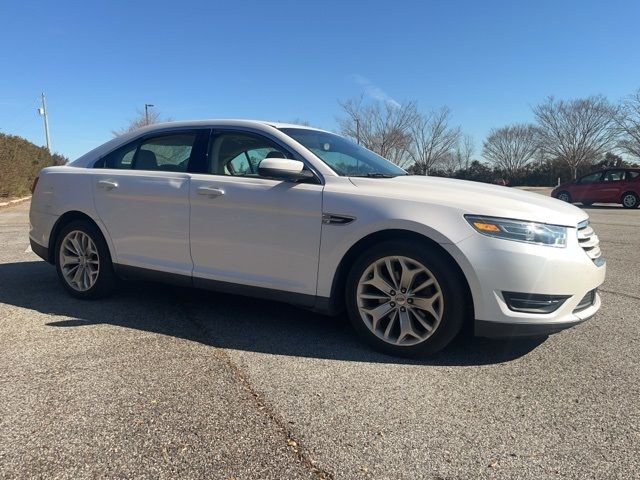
x,y
12,203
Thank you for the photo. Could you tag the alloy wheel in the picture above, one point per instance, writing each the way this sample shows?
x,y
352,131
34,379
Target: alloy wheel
x,y
400,300
79,261
629,200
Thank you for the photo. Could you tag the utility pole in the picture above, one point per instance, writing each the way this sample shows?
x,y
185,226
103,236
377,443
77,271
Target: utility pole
x,y
43,112
146,111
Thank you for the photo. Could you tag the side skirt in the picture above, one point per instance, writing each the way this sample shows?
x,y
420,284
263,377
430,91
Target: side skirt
x,y
317,304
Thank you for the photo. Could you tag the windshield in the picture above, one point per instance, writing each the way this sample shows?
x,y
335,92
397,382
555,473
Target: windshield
x,y
343,156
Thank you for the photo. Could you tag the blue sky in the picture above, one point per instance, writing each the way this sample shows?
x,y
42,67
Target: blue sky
x,y
488,61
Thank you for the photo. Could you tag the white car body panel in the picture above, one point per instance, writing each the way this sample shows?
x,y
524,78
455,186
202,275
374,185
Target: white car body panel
x,y
147,217
266,233
269,234
60,190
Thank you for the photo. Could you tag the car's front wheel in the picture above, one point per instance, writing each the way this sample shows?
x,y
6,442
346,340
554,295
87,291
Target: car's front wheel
x,y
83,262
405,299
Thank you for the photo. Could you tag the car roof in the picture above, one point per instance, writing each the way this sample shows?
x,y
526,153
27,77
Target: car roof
x,y
114,143
635,169
222,122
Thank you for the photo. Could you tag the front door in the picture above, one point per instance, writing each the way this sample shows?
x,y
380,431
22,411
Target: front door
x,y
250,230
586,187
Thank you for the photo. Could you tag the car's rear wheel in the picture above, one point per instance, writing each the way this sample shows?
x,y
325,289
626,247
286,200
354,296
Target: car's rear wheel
x,y
83,262
405,299
564,196
630,200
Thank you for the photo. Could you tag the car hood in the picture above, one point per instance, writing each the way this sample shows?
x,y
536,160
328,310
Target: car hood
x,y
474,198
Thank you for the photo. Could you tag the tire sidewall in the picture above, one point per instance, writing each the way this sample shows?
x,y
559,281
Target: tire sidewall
x,y
637,200
454,297
106,277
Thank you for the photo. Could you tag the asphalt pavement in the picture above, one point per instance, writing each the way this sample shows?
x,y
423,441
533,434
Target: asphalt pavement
x,y
165,382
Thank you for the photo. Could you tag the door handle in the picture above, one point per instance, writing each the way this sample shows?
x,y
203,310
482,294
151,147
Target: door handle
x,y
107,184
210,191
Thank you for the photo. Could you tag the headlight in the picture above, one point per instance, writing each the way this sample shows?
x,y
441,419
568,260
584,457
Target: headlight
x,y
520,231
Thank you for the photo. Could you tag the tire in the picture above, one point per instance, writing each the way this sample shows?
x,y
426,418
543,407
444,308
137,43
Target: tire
x,y
447,290
564,196
587,204
93,258
630,200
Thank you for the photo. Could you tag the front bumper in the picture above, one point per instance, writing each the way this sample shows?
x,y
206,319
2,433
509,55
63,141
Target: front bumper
x,y
493,266
42,252
491,329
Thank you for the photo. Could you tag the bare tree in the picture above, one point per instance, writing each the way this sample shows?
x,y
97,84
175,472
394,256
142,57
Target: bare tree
x,y
432,139
141,120
465,150
460,157
382,127
577,130
629,125
298,121
512,147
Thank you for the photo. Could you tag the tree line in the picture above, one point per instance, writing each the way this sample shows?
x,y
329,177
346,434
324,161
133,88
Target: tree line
x,y
20,162
567,138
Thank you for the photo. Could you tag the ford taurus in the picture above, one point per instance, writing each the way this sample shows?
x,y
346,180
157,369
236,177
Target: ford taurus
x,y
305,216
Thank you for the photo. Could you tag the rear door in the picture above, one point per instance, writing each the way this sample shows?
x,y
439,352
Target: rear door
x,y
251,230
142,197
612,186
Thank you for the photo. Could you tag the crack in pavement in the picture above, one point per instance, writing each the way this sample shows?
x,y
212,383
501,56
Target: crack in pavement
x,y
294,446
628,295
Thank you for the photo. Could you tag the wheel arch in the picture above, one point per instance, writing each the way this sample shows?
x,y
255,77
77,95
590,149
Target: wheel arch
x,y
358,248
66,219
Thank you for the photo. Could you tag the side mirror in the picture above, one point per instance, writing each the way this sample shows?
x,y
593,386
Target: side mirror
x,y
283,169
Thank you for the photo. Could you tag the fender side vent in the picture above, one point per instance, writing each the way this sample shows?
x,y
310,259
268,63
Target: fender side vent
x,y
333,219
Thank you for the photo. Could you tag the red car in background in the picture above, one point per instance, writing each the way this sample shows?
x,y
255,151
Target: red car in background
x,y
614,185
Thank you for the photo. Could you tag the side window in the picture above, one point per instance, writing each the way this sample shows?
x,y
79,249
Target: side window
x,y
169,153
614,176
632,174
239,154
120,158
592,178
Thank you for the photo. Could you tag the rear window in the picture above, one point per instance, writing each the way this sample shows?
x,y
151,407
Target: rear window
x,y
119,158
633,174
169,152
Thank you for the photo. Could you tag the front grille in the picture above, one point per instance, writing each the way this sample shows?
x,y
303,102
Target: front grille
x,y
590,242
588,300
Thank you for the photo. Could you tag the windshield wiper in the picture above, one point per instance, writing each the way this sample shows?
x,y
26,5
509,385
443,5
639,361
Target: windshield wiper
x,y
376,175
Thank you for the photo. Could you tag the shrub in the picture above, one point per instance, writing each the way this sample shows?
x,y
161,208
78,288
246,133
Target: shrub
x,y
20,162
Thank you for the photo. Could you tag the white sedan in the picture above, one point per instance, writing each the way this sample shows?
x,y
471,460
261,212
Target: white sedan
x,y
307,217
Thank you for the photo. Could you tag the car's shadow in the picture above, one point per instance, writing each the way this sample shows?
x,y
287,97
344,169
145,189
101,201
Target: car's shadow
x,y
225,321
